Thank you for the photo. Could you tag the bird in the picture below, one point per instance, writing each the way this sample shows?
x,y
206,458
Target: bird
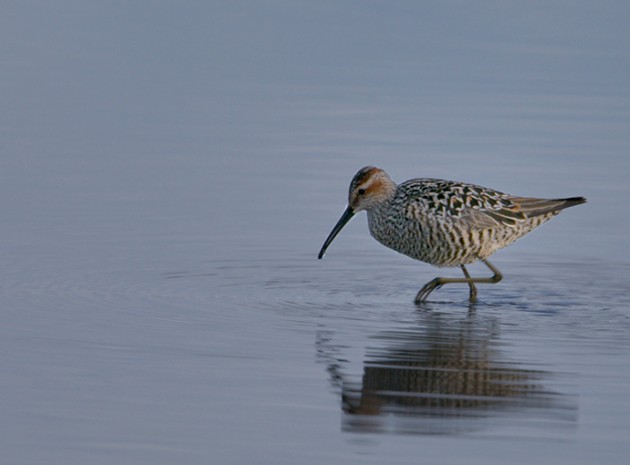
x,y
444,223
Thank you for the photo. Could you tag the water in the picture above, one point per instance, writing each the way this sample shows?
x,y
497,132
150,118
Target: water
x,y
169,171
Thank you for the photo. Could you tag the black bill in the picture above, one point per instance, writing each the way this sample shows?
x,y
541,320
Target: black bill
x,y
345,217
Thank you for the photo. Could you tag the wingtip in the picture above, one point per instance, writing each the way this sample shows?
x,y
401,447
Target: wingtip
x,y
576,200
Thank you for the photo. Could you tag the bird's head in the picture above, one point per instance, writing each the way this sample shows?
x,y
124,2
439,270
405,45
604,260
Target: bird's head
x,y
369,188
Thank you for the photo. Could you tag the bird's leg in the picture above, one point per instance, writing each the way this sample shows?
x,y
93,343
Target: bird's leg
x,y
492,279
439,282
471,284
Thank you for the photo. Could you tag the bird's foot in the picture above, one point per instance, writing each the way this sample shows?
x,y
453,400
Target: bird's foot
x,y
427,289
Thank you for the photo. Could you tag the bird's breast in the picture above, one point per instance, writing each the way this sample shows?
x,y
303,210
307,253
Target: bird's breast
x,y
394,230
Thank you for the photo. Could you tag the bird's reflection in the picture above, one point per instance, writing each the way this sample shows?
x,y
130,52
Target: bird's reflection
x,y
445,374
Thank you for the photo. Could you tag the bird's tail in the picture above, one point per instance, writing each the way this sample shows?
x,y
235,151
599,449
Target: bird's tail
x,y
535,207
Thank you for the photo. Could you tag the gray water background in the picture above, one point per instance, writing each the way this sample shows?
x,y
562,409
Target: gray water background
x,y
169,171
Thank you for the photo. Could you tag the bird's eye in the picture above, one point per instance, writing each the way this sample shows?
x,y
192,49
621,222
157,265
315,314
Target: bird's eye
x,y
361,191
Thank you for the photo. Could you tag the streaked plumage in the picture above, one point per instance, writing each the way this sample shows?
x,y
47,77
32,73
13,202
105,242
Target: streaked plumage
x,y
444,223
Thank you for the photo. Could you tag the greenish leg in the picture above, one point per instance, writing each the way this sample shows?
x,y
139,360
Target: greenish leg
x,y
471,284
439,282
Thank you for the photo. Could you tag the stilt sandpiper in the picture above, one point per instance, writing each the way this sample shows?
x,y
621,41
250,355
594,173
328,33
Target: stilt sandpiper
x,y
444,223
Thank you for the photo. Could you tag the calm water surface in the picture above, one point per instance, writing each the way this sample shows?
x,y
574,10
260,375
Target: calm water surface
x,y
164,200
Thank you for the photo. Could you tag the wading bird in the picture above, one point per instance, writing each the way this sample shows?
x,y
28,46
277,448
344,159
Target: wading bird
x,y
444,223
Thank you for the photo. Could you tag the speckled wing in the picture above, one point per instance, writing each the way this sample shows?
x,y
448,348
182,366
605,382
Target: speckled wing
x,y
467,204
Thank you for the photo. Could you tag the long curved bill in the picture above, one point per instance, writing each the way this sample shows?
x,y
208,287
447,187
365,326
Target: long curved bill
x,y
345,217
